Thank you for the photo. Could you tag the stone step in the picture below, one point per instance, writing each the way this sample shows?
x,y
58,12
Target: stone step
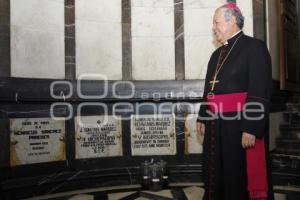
x,y
295,106
287,151
288,143
288,146
288,126
286,179
296,98
285,163
292,117
289,132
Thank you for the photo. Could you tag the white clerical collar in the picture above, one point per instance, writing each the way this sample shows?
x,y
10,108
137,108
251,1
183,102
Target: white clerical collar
x,y
225,43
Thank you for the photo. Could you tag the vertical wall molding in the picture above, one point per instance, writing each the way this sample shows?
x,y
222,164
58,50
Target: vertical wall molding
x,y
179,40
259,19
5,61
70,59
126,40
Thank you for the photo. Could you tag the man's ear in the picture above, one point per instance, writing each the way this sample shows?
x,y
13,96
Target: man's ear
x,y
233,19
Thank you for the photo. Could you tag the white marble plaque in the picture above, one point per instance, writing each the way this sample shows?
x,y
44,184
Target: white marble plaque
x,y
153,46
36,140
247,10
99,38
37,39
193,141
98,136
153,135
198,35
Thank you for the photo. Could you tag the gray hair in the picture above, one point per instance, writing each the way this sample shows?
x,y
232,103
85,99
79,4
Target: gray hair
x,y
238,16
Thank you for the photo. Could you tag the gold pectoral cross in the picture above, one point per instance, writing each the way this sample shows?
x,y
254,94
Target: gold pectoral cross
x,y
213,82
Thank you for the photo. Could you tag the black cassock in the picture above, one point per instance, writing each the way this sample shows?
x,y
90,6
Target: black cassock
x,y
247,69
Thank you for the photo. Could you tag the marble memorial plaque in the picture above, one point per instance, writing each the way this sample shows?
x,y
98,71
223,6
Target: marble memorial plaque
x,y
199,42
36,140
153,46
153,135
98,136
193,141
98,39
37,38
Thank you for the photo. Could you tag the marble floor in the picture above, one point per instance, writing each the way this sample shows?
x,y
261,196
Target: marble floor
x,y
189,193
132,193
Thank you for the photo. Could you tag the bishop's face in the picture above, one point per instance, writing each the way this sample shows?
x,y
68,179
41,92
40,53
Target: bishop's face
x,y
222,29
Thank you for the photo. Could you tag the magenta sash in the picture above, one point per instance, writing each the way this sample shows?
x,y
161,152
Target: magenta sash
x,y
256,161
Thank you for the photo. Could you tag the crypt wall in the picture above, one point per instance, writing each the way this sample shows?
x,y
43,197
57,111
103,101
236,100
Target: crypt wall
x,y
161,46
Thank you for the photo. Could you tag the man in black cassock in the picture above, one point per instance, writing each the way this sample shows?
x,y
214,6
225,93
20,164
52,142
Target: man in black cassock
x,y
234,115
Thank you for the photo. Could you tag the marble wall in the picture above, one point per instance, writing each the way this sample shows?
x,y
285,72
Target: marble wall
x,y
153,48
37,39
199,40
247,10
98,38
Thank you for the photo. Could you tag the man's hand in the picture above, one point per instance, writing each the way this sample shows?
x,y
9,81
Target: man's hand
x,y
248,140
200,128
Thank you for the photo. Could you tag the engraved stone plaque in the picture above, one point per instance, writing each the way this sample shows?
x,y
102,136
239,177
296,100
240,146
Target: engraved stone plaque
x,y
153,135
36,140
193,141
98,136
